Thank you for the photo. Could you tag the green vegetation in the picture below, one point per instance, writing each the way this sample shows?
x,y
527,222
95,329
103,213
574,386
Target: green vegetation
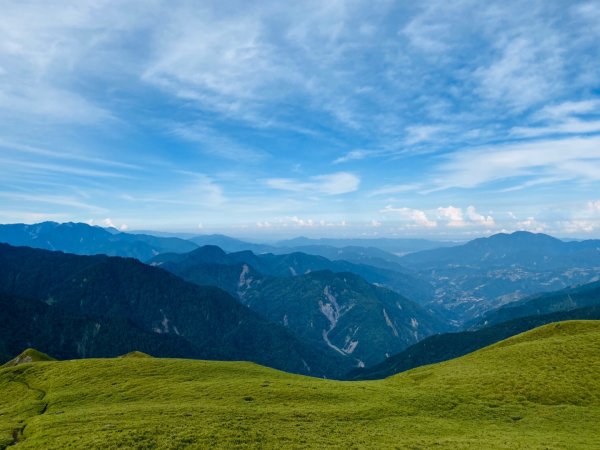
x,y
442,347
73,306
565,300
325,309
540,389
135,354
29,355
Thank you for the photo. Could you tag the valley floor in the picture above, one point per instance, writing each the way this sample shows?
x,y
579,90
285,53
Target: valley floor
x,y
540,390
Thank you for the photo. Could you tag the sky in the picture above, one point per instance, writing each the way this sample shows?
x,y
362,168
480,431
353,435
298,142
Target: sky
x,y
271,119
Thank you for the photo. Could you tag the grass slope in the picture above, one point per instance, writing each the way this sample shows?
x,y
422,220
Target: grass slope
x,y
442,347
540,389
135,354
28,356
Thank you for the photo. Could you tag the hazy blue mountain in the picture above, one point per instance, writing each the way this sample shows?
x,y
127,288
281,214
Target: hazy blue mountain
x,y
83,239
519,249
358,255
230,244
156,301
390,245
194,266
564,300
487,273
443,347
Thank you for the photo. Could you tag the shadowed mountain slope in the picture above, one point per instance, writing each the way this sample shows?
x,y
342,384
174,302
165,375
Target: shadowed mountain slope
x,y
155,301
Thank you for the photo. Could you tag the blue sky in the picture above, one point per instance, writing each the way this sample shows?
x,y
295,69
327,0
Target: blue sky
x,y
270,119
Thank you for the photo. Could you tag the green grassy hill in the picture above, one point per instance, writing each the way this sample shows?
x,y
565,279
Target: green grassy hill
x,y
539,389
27,356
442,347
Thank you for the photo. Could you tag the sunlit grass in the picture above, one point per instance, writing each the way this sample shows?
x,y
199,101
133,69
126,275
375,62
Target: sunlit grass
x,y
536,390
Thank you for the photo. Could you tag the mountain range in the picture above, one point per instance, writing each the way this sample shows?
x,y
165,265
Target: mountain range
x,y
486,273
154,301
544,303
198,264
398,246
83,239
322,302
297,311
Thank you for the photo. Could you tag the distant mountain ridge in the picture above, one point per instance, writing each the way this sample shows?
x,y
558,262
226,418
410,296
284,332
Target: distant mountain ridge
x,y
391,245
520,249
194,266
230,244
487,273
545,303
84,239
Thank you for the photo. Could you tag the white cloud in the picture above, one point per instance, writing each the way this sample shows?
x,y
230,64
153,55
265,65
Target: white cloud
x,y
572,126
417,217
453,215
375,223
193,191
594,206
330,184
533,225
212,142
394,189
524,74
456,218
479,219
264,224
578,226
45,201
563,118
417,134
567,109
354,155
574,158
108,223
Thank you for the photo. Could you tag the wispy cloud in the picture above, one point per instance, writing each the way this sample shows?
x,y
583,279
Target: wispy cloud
x,y
54,200
330,184
64,155
568,109
571,117
354,155
394,189
572,126
213,143
570,158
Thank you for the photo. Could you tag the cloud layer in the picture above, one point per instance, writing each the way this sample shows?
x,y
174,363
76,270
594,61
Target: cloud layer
x,y
388,117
